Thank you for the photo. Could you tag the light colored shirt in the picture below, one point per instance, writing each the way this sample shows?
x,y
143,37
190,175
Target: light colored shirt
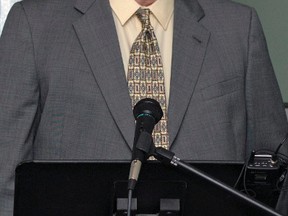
x,y
128,27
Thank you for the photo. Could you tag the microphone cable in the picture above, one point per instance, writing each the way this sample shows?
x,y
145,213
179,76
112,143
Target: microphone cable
x,y
275,155
129,207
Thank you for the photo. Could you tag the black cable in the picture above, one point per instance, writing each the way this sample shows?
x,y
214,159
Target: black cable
x,y
275,154
244,184
282,157
129,202
281,143
240,175
280,181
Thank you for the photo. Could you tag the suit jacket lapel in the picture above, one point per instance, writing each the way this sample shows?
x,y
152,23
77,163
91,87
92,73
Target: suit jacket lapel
x,y
98,37
189,47
96,32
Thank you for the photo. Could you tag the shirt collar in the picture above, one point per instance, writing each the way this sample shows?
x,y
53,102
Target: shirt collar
x,y
161,9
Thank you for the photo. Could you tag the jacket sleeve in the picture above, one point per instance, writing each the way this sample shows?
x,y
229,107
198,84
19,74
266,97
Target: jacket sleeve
x,y
266,118
19,96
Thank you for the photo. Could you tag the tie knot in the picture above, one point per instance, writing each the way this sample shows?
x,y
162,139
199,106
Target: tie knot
x,y
144,16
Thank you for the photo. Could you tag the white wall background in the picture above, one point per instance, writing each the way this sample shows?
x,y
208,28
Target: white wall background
x,y
5,6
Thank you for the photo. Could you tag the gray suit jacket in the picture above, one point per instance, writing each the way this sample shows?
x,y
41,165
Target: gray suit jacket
x,y
63,91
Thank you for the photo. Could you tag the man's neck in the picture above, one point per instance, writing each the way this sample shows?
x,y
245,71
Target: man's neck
x,y
145,2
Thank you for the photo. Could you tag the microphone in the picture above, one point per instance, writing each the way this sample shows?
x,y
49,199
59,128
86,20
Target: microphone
x,y
147,113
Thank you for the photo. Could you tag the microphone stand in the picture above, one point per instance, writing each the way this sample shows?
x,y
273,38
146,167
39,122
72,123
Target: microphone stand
x,y
167,157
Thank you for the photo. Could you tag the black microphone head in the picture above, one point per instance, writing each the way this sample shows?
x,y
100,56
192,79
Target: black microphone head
x,y
148,106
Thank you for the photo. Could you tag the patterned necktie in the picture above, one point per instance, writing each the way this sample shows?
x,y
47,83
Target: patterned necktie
x,y
145,74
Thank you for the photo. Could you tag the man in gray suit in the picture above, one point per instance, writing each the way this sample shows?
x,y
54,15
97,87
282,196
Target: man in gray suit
x,y
64,95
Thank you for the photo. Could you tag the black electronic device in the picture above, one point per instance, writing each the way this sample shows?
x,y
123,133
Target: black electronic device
x,y
263,177
262,169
